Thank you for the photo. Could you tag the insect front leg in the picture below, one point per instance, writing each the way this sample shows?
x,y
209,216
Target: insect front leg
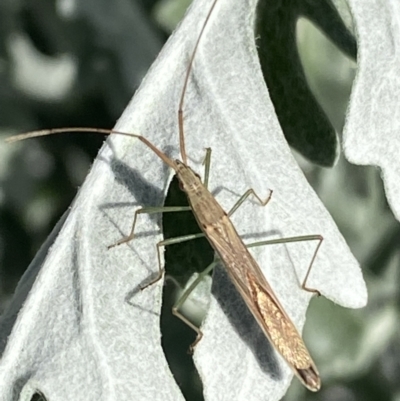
x,y
245,196
148,210
207,164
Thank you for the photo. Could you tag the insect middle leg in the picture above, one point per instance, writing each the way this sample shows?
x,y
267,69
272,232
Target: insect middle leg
x,y
188,291
165,243
166,209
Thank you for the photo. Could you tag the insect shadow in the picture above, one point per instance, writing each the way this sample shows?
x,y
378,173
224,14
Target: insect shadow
x,y
145,193
244,323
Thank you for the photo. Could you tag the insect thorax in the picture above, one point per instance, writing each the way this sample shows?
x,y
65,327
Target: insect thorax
x,y
189,180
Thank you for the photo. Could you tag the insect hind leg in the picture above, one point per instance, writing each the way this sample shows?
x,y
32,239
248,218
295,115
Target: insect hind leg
x,y
185,296
303,238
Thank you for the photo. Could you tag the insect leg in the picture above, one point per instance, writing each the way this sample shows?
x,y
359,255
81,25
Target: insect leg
x,y
245,196
148,210
207,163
184,297
167,242
317,237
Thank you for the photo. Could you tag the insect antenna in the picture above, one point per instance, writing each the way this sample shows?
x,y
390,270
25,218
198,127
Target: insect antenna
x,y
185,84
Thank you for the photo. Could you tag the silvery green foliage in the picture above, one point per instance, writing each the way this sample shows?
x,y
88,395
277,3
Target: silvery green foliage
x,y
79,328
371,132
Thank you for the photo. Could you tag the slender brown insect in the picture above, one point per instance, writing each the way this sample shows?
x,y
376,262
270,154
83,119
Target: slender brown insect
x,y
217,227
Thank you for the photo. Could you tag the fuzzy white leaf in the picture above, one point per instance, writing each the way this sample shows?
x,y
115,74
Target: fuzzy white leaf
x,y
85,331
371,134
